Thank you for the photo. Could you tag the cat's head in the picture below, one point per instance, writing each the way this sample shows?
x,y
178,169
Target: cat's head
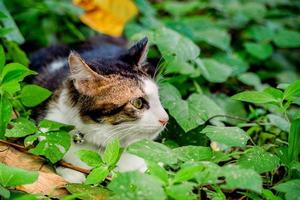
x,y
117,97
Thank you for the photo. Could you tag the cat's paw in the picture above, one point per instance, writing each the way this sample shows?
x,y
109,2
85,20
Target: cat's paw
x,y
70,175
130,162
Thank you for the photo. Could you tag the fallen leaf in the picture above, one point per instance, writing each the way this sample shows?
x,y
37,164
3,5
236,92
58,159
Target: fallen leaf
x,y
107,16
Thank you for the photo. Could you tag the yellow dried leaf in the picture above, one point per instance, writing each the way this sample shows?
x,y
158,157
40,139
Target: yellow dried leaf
x,y
107,16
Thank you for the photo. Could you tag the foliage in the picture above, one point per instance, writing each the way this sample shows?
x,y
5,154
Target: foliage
x,y
228,77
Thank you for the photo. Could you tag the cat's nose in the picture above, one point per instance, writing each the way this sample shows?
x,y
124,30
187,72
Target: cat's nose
x,y
163,121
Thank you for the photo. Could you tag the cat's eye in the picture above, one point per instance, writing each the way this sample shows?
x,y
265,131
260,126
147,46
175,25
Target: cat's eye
x,y
138,103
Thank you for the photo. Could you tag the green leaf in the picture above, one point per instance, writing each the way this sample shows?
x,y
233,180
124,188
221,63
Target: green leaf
x,y
237,177
23,196
32,95
8,22
294,141
231,136
208,68
283,38
255,97
2,58
152,151
53,145
5,114
234,61
215,37
16,53
4,192
21,127
171,44
12,176
250,78
258,159
291,188
183,191
88,192
97,175
157,171
193,153
135,185
187,173
260,33
188,113
276,93
54,126
292,90
279,121
91,158
111,153
208,174
268,195
259,51
14,73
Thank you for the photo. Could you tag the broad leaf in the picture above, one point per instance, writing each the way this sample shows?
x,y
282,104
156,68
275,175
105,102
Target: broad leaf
x,y
171,44
187,173
188,113
250,78
193,153
260,51
260,33
152,151
234,61
91,158
283,38
291,188
255,97
292,90
111,153
88,192
14,72
259,160
53,145
12,176
97,175
231,136
5,113
157,171
237,177
209,67
21,127
32,95
183,191
135,185
215,37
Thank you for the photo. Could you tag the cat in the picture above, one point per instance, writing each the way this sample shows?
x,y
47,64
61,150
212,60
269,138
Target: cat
x,y
105,91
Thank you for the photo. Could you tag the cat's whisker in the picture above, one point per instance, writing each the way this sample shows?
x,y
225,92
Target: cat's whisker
x,y
117,133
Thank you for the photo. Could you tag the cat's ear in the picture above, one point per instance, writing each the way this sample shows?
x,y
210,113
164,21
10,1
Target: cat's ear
x,y
79,69
82,75
137,54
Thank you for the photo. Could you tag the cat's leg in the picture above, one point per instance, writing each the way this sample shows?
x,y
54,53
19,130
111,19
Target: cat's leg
x,y
71,175
130,162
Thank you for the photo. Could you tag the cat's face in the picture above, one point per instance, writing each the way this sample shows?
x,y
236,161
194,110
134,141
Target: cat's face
x,y
117,98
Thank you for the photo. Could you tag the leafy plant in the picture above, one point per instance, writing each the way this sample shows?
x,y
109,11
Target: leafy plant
x,y
228,77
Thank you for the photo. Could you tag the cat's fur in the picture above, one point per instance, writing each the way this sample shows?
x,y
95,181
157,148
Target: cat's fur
x,y
96,90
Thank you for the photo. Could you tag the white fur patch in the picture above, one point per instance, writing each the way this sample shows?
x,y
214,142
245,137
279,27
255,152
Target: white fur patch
x,y
130,162
57,64
70,175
